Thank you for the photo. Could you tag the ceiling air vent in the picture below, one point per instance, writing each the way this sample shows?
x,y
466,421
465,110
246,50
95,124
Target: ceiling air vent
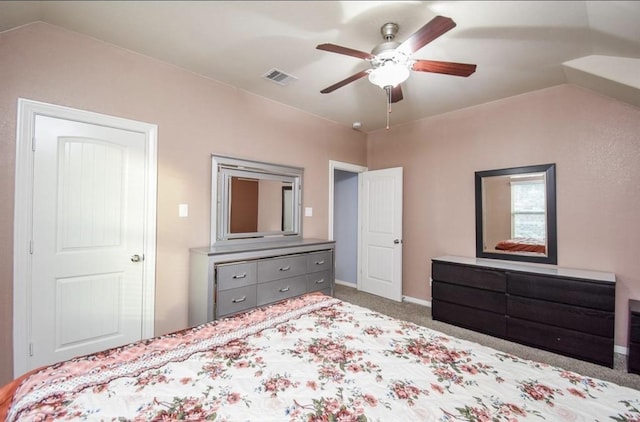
x,y
279,77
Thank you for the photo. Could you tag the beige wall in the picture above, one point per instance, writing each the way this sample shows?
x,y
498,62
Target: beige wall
x,y
270,206
497,211
195,116
595,143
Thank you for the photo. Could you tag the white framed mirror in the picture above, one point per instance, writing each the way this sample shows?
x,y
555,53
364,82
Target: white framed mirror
x,y
253,201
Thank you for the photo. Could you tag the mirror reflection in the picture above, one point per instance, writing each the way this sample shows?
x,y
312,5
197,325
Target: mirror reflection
x,y
516,214
259,205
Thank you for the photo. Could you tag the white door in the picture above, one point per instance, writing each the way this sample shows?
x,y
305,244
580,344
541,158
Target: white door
x,y
88,226
381,233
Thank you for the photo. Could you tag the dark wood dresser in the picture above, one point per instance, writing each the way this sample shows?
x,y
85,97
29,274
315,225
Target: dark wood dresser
x,y
566,311
633,358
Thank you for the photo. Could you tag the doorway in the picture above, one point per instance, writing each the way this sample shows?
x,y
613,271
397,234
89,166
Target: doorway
x,y
367,258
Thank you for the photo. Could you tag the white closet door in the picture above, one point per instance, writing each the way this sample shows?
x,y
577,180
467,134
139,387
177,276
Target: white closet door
x,y
88,219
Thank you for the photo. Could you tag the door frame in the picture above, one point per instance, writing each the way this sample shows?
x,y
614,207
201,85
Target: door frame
x,y
353,168
23,219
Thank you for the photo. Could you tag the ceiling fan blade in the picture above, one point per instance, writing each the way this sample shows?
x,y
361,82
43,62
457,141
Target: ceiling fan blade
x,y
345,82
396,94
423,36
344,50
448,68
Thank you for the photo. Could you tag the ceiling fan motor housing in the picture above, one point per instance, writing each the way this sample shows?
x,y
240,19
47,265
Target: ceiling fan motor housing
x,y
386,47
386,51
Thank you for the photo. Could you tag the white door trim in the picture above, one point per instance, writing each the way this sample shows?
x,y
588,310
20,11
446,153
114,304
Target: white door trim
x,y
338,165
27,112
354,168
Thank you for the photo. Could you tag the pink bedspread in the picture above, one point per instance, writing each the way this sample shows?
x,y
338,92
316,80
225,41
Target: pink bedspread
x,y
521,244
310,359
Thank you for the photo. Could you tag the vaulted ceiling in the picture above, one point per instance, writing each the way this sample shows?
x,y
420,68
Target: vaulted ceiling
x,y
518,46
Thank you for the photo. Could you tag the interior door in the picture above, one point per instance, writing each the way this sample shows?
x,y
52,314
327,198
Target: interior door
x,y
87,240
381,233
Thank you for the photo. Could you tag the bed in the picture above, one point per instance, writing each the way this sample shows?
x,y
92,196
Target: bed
x,y
312,358
522,244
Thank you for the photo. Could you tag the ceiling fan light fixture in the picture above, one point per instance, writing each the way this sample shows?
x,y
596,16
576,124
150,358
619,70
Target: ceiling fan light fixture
x,y
389,74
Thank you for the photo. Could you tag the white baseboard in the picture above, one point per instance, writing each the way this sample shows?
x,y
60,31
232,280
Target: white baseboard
x,y
620,349
408,299
345,283
417,301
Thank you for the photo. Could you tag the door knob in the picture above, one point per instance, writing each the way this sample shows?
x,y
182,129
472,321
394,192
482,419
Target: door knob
x,y
136,258
396,241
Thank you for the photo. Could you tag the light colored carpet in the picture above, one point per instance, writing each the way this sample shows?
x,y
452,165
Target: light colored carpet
x,y
422,315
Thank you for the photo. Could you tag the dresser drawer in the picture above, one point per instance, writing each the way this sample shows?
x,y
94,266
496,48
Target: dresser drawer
x,y
277,268
594,321
474,319
319,261
577,344
469,276
231,276
318,281
236,300
274,291
563,290
633,358
467,296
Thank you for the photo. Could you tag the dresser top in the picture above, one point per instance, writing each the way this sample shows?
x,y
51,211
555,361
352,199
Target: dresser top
x,y
262,246
543,269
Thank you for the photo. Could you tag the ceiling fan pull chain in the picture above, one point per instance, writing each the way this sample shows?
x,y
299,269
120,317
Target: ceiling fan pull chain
x,y
388,89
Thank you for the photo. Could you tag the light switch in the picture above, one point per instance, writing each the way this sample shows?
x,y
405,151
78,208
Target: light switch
x,y
183,210
308,212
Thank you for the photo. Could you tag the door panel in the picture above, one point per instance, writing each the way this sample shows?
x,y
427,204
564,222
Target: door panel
x,y
96,299
88,219
90,194
381,243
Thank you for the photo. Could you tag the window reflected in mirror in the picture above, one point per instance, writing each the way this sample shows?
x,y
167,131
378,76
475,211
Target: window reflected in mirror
x,y
515,214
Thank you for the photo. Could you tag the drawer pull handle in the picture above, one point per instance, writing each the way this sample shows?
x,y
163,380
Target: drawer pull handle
x,y
319,262
242,299
287,268
284,289
321,281
243,275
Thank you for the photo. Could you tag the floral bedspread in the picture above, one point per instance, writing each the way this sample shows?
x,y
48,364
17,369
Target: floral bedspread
x,y
315,358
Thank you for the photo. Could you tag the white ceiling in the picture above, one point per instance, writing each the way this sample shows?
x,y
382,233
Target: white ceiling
x,y
519,46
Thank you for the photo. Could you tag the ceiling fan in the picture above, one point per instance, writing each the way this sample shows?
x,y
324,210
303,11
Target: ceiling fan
x,y
391,61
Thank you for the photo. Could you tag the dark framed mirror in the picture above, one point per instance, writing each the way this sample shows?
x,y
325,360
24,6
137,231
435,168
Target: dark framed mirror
x,y
516,214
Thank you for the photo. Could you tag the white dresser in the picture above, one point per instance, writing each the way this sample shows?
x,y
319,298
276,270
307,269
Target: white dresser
x,y
224,280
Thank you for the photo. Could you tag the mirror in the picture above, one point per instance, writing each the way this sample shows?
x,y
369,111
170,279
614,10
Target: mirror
x,y
254,201
516,214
